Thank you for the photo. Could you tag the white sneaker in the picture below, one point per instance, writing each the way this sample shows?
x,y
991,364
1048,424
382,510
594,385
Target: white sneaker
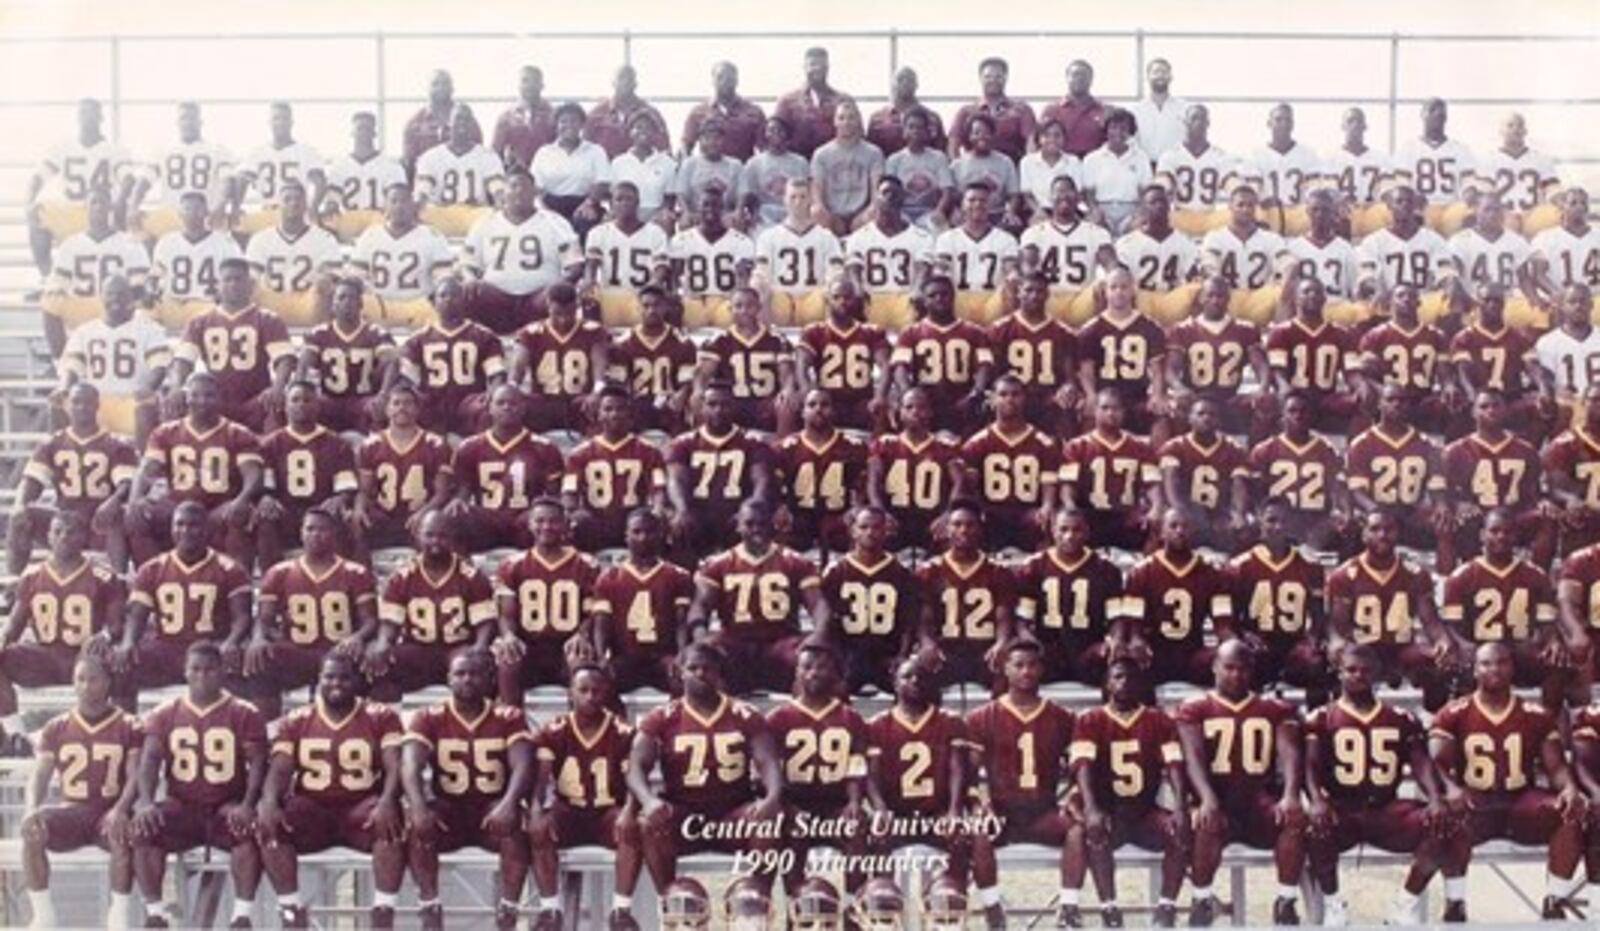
x,y
1334,913
1409,913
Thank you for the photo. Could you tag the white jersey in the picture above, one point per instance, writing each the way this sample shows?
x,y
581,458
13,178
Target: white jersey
x,y
1284,174
72,169
117,360
1574,363
1249,263
1334,264
473,177
976,264
1067,254
190,167
81,264
655,177
1161,128
1158,264
710,267
1037,178
1480,259
292,266
797,262
1421,261
1522,181
268,168
1197,180
889,263
188,271
1358,175
625,259
1572,259
403,268
1436,171
361,185
521,258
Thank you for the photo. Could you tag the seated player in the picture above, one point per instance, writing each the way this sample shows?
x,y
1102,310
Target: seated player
x,y
561,358
184,265
847,358
949,358
1170,599
1489,354
454,363
1125,350
499,473
1321,359
432,605
710,261
1248,255
351,361
1357,750
719,767
640,606
333,780
620,254
95,749
580,797
74,292
515,255
1494,468
1122,754
1041,352
296,261
1278,605
875,609
478,761
1161,261
308,466
1396,468
1488,253
68,604
1567,356
1564,255
1242,751
656,363
1195,171
1066,597
710,472
1325,254
357,181
1406,252
403,263
1575,593
1206,359
611,474
1019,746
546,602
968,603
911,474
1071,251
794,258
1011,467
888,256
267,168
244,346
1571,462
210,750
402,472
1197,470
460,180
89,472
756,590
822,473
1301,468
1113,477
977,251
1490,748
756,361
1404,352
125,358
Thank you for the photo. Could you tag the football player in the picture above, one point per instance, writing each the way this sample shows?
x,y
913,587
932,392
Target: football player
x,y
81,267
1284,167
1358,170
1437,165
875,609
1161,261
1068,596
968,602
478,758
351,361
357,182
430,124
639,608
951,359
1568,357
454,363
1041,352
1489,354
1571,464
1324,254
1568,254
184,265
1523,178
403,262
656,362
333,779
401,472
1113,476
561,359
515,255
124,358
620,254
193,164
1206,360
244,346
710,260
296,261
308,466
756,361
1278,605
1011,467
1406,252
1489,252
710,471
1247,255
977,252
794,258
889,255
847,358
1197,470
1404,352
611,474
1196,173
1315,356
58,189
911,474
1170,599
459,180
822,474
546,600
266,170
1125,350
1303,469
1394,467
1494,468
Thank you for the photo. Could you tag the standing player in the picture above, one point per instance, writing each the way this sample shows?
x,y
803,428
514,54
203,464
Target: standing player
x,y
1523,178
640,607
795,258
56,191
244,346
357,182
515,255
351,361
1494,468
1170,599
1358,170
1569,356
1011,467
308,466
874,606
977,251
709,261
756,361
1068,596
911,474
401,472
82,266
1284,167
821,473
193,164
888,255
546,602
1161,260
1113,476
1196,171
1248,256
610,475
184,265
562,358
403,262
1124,351
847,358
454,363
1278,604
296,261
460,179
656,363
949,358
266,170
968,602
710,471
1303,469
1436,166
620,254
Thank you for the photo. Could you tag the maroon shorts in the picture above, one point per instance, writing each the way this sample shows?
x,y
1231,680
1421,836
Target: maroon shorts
x,y
543,663
1074,658
759,665
589,827
1117,529
312,826
1528,817
33,666
544,413
964,663
158,662
811,529
1397,827
40,516
1251,820
1032,824
501,312
600,530
294,666
756,414
461,823
73,826
644,668
158,525
1148,827
187,826
1180,662
1013,525
251,412
388,530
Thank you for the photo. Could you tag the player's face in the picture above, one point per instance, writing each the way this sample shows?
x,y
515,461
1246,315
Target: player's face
x,y
1404,204
625,201
189,123
1243,206
1491,215
1309,297
398,207
1024,670
117,295
817,412
869,531
192,211
966,532
1405,301
1123,686
1379,534
99,208
912,684
1296,416
449,299
520,193
1063,193
91,684
1354,124
614,419
1281,123
1434,114
505,410
234,286
1488,411
301,406
939,299
1120,291
1035,294
1492,667
433,537
318,533
711,210
844,300
1575,207
336,684
916,411
1175,530
643,537
67,539
402,409
1232,671
1108,411
1008,401
549,526
201,396
1197,122
1274,523
346,304
1214,295
364,133
189,529
715,410
754,527
1355,675
470,679
292,202
653,311
1498,539
89,116
817,672
1392,405
203,674
83,408
980,138
590,693
993,78
746,310
563,314
975,207
1322,213
1203,418
282,122
1576,305
461,125
797,200
701,677
530,83
1071,532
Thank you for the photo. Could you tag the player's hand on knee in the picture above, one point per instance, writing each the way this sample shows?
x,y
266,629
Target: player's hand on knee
x,y
148,822
1290,814
34,830
507,650
503,819
114,827
426,828
658,817
1209,819
241,820
385,822
270,826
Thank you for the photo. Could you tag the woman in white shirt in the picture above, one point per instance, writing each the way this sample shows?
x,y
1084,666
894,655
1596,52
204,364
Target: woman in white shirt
x,y
654,173
1114,173
574,174
1041,169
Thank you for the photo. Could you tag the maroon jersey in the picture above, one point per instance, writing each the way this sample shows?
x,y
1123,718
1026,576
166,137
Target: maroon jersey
x,y
1024,753
403,474
760,595
205,467
1490,603
1384,602
238,349
562,363
549,598
707,765
1364,754
613,479
1499,753
82,471
1241,741
1576,455
1068,598
916,476
1177,600
822,749
1123,353
645,606
845,360
1275,598
588,767
91,758
1014,471
304,470
1493,475
1109,475
1492,359
1583,568
943,359
967,599
1312,358
66,608
444,610
653,367
913,758
877,604
1042,355
207,749
1127,756
470,757
721,469
348,364
1205,473
318,610
337,762
1408,358
749,363
1303,475
188,602
448,366
821,479
507,475
1394,471
1214,353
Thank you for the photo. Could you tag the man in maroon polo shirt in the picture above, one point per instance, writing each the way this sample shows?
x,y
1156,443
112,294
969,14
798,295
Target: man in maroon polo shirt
x,y
1080,113
1014,122
809,110
884,129
430,125
743,123
527,124
608,121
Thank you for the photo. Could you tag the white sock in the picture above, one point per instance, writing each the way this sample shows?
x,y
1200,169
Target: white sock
x,y
1201,893
44,911
242,909
507,903
427,903
1288,892
550,903
1069,896
1109,903
289,900
990,897
1455,888
1166,901
1564,888
385,899
624,902
12,724
117,914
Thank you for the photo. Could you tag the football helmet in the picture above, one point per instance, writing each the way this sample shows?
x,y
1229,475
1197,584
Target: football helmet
x,y
816,907
879,906
747,905
685,906
944,905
